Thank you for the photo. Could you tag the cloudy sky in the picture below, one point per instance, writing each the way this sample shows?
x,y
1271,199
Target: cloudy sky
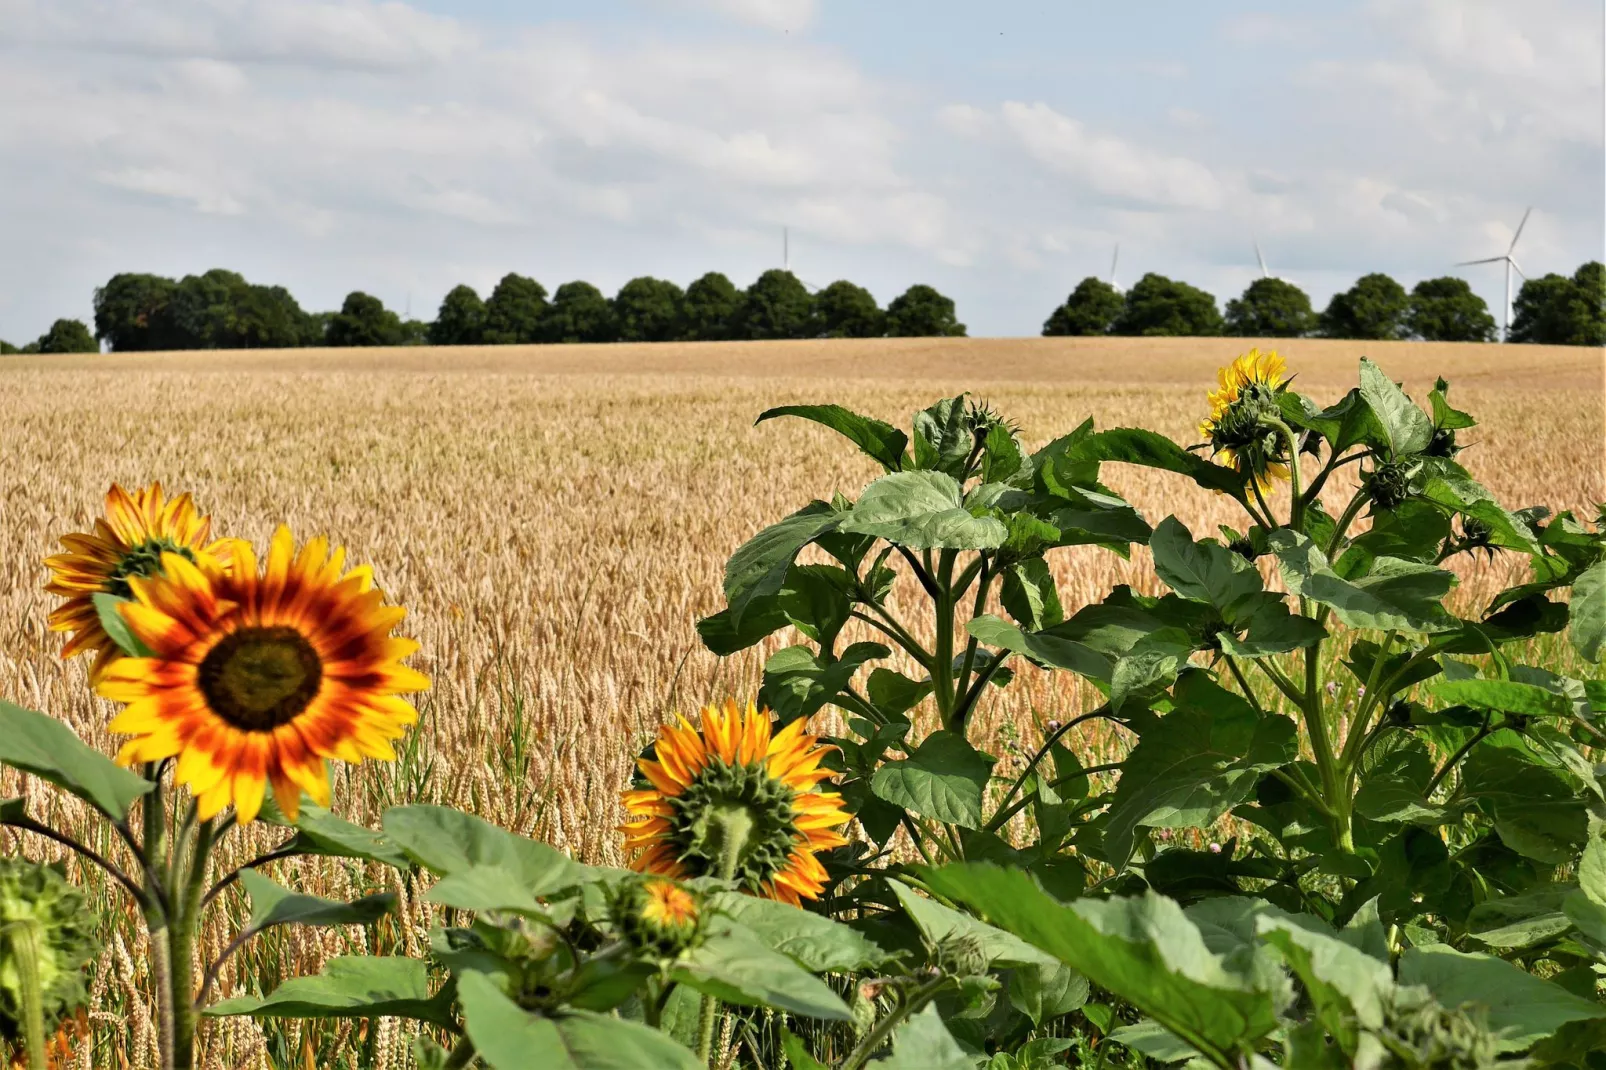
x,y
998,151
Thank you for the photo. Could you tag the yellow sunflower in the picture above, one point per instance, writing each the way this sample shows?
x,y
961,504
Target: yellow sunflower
x,y
128,541
736,799
1248,387
258,677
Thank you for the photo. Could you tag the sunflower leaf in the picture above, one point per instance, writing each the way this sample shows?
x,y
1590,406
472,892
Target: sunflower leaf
x,y
350,986
109,608
43,746
273,904
736,965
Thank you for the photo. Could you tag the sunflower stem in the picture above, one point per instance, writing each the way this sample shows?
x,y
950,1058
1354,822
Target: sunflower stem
x,y
21,938
734,826
158,914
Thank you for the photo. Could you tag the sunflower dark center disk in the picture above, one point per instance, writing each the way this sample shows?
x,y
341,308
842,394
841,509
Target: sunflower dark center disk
x,y
143,560
260,678
699,824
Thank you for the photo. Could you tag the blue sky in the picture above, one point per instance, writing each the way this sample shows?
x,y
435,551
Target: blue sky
x,y
997,151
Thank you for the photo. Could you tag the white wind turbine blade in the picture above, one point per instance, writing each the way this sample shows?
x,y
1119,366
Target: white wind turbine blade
x,y
1516,266
1485,260
1512,247
1116,259
1263,272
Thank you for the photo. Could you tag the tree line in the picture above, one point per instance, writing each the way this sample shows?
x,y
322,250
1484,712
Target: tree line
x,y
1550,310
221,310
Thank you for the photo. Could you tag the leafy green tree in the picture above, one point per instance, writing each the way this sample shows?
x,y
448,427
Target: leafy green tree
x,y
515,310
1446,310
461,319
1270,308
415,333
1091,309
1157,305
777,305
579,313
67,336
1373,309
363,320
1557,310
922,312
129,312
843,310
649,310
710,309
263,317
6,348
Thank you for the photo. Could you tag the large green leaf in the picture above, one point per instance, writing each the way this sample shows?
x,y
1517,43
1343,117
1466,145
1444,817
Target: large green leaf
x,y
877,439
1406,428
1133,445
943,438
49,750
350,986
1396,596
485,888
273,904
735,965
1143,950
759,566
924,1043
1048,647
1204,571
813,941
1030,596
1588,613
1195,763
1151,664
1521,1007
1508,696
507,1037
797,681
922,511
1338,976
319,832
1046,976
447,841
1537,811
108,607
1512,922
943,779
724,635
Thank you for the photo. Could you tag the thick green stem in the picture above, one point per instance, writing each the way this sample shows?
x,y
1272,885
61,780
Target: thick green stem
x,y
22,938
942,667
158,914
882,1030
1296,511
181,942
735,826
461,1055
962,706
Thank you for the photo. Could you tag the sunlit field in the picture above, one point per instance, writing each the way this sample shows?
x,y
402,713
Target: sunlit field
x,y
557,518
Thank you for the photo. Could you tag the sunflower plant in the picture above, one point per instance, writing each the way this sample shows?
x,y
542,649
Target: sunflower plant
x,y
1303,696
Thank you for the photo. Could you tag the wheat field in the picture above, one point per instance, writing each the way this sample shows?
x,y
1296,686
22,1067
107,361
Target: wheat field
x,y
556,519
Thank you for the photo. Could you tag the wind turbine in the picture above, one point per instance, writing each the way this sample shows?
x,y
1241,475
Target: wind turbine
x,y
1511,265
1265,272
786,258
1113,261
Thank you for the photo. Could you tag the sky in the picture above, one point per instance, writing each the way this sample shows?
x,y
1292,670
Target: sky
x,y
997,151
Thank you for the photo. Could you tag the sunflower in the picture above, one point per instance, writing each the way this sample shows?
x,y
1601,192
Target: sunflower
x,y
1248,390
257,678
736,801
657,916
128,541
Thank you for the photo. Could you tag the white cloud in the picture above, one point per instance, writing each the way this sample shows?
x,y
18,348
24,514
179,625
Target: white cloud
x,y
770,14
1108,165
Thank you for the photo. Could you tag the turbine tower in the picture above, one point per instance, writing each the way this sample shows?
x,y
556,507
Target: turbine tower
x,y
1511,265
786,258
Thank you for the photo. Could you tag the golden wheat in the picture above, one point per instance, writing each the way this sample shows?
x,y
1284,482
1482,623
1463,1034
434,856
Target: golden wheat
x,y
556,519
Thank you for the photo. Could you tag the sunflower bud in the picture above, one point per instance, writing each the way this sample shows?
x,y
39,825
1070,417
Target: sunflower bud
x,y
1388,484
656,916
963,955
1443,443
46,940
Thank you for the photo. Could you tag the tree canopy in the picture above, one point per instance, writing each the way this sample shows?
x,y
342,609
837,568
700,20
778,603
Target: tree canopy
x,y
64,336
710,308
1270,308
363,320
1557,310
515,311
461,319
1373,309
214,310
844,310
1157,305
649,310
777,305
1090,309
579,313
1446,310
922,312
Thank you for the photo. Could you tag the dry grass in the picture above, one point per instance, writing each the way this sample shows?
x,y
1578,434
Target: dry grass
x,y
557,518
